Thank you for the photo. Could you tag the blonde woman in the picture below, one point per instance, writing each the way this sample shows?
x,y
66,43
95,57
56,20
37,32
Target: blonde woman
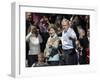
x,y
34,40
51,50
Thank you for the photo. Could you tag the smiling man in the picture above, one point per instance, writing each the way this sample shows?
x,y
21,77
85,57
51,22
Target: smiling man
x,y
68,38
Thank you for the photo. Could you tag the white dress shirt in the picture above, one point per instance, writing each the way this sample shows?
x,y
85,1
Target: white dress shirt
x,y
66,41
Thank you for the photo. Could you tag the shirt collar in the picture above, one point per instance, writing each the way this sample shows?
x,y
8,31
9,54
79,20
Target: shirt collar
x,y
66,30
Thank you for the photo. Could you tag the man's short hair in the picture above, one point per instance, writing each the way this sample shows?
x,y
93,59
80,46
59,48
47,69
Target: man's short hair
x,y
65,20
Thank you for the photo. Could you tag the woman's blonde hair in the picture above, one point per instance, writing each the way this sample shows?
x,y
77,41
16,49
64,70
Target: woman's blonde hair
x,y
53,26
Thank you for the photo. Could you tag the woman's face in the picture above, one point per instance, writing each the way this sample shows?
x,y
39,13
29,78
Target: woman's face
x,y
52,32
34,30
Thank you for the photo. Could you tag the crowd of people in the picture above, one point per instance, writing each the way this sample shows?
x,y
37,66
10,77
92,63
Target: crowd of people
x,y
57,39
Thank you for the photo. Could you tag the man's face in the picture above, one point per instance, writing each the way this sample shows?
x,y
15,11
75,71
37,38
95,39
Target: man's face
x,y
65,24
28,16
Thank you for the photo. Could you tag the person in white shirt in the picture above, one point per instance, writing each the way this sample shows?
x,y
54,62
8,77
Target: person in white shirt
x,y
68,39
34,40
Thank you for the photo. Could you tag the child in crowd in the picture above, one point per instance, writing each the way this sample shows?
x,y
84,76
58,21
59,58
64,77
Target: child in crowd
x,y
40,61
